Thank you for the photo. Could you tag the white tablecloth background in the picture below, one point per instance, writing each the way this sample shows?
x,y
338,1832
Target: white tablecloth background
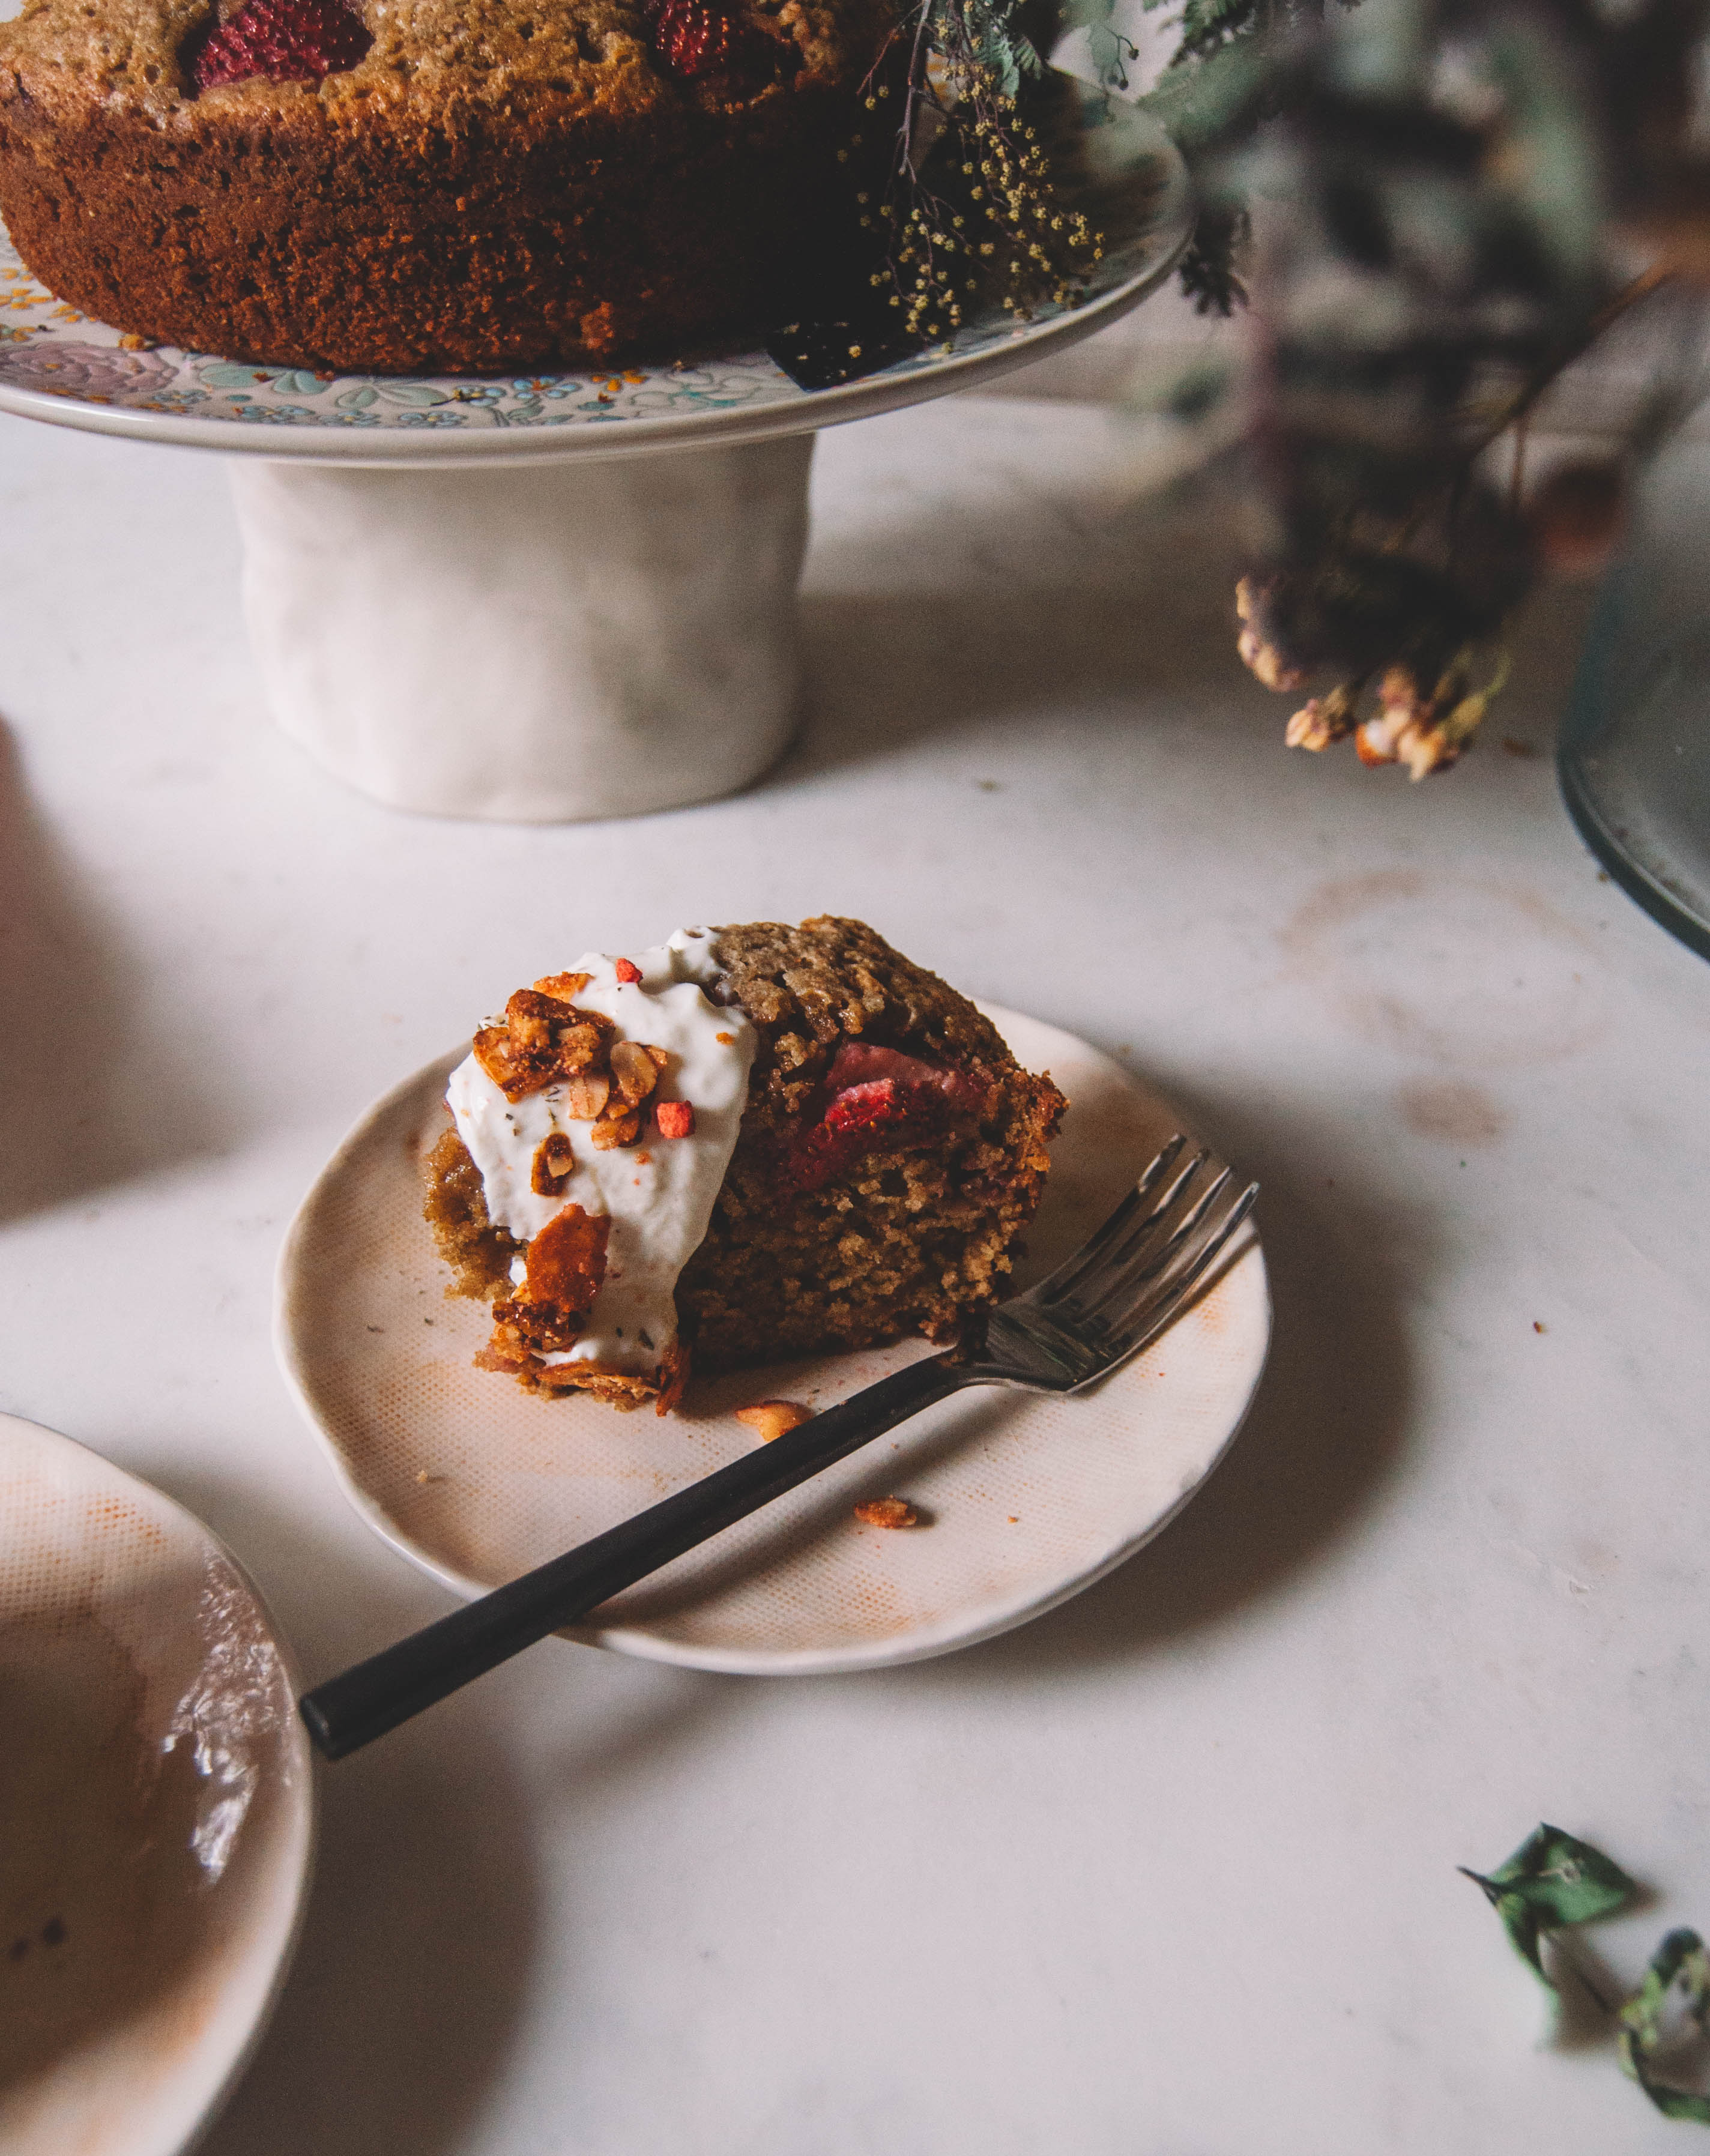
x,y
1170,1872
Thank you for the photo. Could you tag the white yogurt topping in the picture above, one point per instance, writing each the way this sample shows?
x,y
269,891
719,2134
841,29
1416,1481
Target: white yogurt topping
x,y
659,1192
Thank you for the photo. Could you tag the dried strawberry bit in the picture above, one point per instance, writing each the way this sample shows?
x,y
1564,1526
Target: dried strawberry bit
x,y
627,971
879,1100
886,1512
675,1119
694,39
282,40
554,1158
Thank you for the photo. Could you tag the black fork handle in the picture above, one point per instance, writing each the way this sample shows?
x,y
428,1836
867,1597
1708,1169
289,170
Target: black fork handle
x,y
350,1711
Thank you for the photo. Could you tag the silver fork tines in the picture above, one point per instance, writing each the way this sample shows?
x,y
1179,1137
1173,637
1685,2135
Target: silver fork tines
x,y
1123,1286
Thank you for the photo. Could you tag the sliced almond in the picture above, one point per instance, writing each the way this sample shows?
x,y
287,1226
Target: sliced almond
x,y
554,1158
886,1512
585,1095
634,1070
773,1418
620,1130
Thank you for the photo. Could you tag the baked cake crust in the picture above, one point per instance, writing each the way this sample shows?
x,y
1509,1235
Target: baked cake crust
x,y
496,183
914,1237
816,1244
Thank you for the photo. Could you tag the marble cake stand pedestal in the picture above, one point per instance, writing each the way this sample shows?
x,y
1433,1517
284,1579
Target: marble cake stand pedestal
x,y
540,601
536,644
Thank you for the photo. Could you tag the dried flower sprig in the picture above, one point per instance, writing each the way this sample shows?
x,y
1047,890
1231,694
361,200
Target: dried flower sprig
x,y
971,213
1448,189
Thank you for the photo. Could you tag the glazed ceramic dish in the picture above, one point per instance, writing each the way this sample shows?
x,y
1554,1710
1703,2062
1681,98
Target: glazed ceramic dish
x,y
1024,1500
156,1809
57,365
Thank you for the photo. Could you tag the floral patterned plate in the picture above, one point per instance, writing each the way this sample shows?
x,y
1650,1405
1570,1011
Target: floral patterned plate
x,y
60,366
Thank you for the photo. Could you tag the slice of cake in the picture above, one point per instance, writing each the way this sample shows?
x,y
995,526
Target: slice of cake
x,y
751,1143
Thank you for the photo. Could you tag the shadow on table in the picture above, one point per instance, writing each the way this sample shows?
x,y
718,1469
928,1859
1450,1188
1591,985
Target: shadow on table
x,y
1326,1430
91,1091
1078,610
418,1945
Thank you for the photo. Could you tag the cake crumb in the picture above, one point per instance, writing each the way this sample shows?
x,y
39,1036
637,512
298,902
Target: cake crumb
x,y
886,1512
773,1418
1539,1325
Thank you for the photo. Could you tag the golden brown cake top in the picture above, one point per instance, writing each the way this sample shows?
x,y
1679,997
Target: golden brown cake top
x,y
510,54
810,988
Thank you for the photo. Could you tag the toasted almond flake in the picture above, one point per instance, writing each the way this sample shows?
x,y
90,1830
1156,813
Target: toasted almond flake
x,y
773,1418
634,1069
585,1095
621,1129
565,987
886,1512
553,1159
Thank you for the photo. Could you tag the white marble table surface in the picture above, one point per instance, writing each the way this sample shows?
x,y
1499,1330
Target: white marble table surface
x,y
1170,1872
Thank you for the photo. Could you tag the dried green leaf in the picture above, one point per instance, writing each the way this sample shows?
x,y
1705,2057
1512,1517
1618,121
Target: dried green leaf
x,y
1519,1921
1552,1881
1673,2001
1566,1881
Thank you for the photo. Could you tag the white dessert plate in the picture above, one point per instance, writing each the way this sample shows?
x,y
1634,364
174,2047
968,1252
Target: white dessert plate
x,y
156,1809
60,366
1024,1500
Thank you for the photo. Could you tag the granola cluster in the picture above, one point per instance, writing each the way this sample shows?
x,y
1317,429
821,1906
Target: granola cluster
x,y
565,1268
545,1041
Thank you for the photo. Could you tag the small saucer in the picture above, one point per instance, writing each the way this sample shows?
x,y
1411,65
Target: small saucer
x,y
156,1809
1023,1499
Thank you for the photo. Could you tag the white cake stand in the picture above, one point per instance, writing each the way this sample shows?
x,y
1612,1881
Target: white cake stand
x,y
533,599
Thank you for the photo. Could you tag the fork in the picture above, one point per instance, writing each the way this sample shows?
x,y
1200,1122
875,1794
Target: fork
x,y
1118,1291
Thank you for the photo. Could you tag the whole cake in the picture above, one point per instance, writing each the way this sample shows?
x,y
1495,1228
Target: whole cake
x,y
427,184
751,1143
